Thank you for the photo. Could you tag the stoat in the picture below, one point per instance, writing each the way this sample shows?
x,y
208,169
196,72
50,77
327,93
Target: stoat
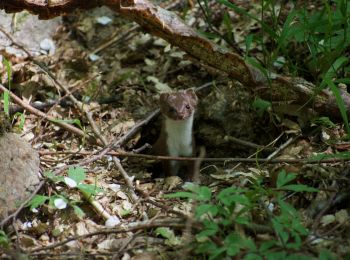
x,y
176,137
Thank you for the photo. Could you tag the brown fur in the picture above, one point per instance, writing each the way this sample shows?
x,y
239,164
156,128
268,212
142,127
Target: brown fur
x,y
177,106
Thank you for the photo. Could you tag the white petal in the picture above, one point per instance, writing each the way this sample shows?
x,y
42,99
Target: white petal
x,y
112,221
70,182
60,203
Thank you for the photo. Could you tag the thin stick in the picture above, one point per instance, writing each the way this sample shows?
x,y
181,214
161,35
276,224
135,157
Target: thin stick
x,y
283,146
205,159
38,113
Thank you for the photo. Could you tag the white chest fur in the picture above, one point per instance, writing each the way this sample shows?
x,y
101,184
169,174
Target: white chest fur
x,y
179,136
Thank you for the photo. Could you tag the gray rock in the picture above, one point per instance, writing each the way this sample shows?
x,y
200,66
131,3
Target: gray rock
x,y
19,169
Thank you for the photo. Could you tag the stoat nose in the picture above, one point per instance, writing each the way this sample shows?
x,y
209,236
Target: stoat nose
x,y
181,115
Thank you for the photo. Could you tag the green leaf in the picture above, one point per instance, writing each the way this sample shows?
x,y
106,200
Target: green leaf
x,y
279,229
286,208
287,30
68,121
261,105
22,119
234,243
77,174
253,256
228,192
322,156
204,194
258,66
243,220
299,188
276,255
53,177
298,227
241,199
229,28
298,257
204,209
4,240
164,232
239,10
208,247
267,245
338,63
324,121
210,228
88,189
190,186
169,235
78,211
124,212
248,43
37,201
181,194
326,255
6,102
284,178
8,71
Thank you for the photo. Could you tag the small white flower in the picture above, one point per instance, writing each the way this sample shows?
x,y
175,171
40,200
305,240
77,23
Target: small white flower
x,y
70,182
60,203
27,225
114,187
112,221
104,20
94,57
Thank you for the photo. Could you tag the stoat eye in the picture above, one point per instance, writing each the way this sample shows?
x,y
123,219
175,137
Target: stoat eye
x,y
188,107
172,110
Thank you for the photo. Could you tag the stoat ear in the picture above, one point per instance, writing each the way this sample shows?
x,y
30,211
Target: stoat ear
x,y
163,97
190,92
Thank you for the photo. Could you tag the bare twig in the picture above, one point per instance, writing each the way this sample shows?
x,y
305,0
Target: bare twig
x,y
246,143
328,205
167,209
205,159
117,38
43,115
283,146
134,130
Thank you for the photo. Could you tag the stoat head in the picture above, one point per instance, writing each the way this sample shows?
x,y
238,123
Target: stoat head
x,y
178,105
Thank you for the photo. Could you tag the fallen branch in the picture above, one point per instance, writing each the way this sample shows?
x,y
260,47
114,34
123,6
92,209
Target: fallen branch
x,y
205,159
38,113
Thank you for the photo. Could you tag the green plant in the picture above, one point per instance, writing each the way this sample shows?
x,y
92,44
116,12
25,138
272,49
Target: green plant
x,y
309,42
4,240
261,106
69,121
219,215
6,96
75,179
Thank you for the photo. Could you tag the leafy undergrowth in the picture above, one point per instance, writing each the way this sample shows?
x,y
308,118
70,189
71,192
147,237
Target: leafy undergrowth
x,y
251,210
